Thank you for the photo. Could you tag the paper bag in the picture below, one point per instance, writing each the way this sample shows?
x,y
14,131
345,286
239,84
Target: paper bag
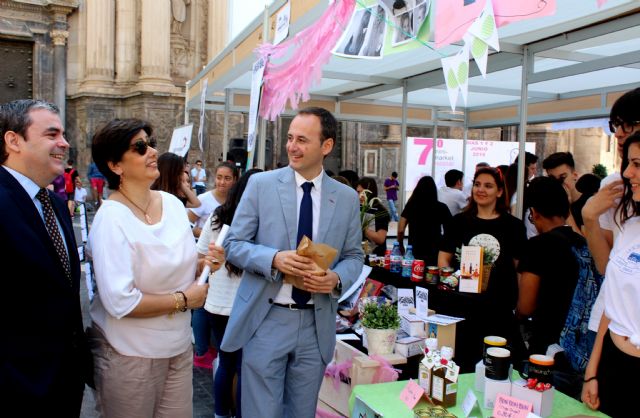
x,y
322,254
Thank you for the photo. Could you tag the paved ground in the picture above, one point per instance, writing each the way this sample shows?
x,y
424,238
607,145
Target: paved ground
x,y
202,381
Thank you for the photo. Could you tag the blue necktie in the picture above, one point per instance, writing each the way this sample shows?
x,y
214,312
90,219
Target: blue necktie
x,y
305,227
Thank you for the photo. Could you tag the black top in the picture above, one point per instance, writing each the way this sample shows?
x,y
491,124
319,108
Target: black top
x,y
381,222
576,209
550,257
426,226
508,234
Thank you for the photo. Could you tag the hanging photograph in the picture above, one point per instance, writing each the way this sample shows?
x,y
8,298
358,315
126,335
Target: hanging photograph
x,y
374,41
398,7
403,32
364,37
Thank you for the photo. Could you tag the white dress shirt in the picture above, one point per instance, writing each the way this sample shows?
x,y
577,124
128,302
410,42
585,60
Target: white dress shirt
x,y
284,295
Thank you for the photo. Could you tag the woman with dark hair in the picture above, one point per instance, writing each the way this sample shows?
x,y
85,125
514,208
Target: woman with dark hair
x,y
174,179
486,222
224,285
145,265
587,185
427,219
375,231
616,351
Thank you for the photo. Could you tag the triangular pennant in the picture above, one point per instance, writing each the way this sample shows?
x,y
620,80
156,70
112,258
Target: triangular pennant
x,y
484,27
479,51
449,69
462,73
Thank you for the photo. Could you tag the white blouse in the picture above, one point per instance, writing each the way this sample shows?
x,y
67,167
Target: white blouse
x,y
622,283
222,286
131,258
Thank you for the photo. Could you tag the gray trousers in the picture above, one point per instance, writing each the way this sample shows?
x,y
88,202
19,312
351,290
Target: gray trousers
x,y
282,367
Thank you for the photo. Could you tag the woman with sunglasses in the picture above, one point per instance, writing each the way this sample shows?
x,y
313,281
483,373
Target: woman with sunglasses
x,y
615,358
174,179
486,222
145,265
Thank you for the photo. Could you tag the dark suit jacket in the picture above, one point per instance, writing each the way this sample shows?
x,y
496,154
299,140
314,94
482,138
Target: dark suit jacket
x,y
44,357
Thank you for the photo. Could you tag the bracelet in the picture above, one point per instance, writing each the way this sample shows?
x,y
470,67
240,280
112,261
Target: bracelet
x,y
590,379
177,307
184,297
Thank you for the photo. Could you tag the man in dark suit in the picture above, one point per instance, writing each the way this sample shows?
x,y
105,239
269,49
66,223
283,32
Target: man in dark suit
x,y
287,329
44,358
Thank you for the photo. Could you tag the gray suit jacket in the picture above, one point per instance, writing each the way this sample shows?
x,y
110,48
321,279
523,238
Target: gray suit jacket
x,y
265,222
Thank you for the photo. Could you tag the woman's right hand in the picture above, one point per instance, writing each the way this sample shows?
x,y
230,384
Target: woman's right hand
x,y
590,394
196,295
602,201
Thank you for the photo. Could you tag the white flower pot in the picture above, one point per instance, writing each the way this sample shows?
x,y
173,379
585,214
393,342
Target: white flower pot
x,y
381,341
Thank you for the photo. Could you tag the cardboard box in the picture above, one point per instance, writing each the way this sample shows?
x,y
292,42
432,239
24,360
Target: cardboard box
x,y
494,387
479,385
413,325
362,371
542,401
446,334
471,269
409,346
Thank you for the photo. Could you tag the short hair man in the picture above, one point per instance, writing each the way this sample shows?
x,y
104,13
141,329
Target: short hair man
x,y
287,334
391,186
531,163
451,194
549,272
43,369
561,166
198,178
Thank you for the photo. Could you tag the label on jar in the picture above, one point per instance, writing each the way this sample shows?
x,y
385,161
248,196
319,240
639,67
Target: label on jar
x,y
437,388
452,388
424,379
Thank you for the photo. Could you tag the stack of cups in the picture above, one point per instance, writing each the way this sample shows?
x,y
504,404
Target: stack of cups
x,y
497,362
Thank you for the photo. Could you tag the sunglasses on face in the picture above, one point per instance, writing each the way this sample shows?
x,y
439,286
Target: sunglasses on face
x,y
140,146
627,127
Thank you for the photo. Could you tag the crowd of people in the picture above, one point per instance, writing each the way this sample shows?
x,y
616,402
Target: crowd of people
x,y
267,312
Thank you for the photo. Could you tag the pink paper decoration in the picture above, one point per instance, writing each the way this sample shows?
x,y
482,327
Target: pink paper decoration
x,y
385,372
453,18
292,79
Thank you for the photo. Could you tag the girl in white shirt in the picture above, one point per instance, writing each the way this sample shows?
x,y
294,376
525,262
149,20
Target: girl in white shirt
x,y
615,360
222,292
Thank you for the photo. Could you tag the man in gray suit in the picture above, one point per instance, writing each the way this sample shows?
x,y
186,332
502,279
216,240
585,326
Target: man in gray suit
x,y
287,331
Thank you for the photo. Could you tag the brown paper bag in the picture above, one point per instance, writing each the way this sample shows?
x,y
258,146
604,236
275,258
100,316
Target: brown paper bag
x,y
321,254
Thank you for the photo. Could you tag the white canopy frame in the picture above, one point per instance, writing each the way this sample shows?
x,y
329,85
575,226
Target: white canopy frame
x,y
586,58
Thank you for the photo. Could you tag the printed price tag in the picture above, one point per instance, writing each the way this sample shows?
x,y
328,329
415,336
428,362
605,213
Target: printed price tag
x,y
509,407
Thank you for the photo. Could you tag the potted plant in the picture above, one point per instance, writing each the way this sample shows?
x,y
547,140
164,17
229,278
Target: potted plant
x,y
381,323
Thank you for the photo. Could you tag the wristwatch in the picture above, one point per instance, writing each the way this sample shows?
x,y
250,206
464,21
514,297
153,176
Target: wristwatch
x,y
339,285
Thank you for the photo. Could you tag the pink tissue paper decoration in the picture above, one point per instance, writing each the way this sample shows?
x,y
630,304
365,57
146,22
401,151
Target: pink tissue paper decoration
x,y
385,372
453,18
337,372
291,80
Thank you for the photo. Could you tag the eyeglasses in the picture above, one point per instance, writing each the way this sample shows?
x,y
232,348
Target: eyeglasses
x,y
627,127
140,146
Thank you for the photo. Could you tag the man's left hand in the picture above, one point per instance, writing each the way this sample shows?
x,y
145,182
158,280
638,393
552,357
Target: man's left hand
x,y
324,283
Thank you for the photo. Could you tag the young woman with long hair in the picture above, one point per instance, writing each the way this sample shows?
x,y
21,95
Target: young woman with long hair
x,y
174,179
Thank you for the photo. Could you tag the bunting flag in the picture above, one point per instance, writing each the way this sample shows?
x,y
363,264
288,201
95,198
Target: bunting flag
x,y
456,75
483,34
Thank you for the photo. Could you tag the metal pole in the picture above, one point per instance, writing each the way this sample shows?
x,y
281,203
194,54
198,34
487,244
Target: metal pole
x,y
433,150
225,126
403,145
262,136
522,129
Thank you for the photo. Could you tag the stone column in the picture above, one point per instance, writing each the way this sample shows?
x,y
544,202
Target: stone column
x,y
156,46
125,50
217,27
100,49
59,38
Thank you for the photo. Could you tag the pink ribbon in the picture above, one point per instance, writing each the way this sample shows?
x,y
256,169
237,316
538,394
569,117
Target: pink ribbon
x,y
324,414
338,372
385,372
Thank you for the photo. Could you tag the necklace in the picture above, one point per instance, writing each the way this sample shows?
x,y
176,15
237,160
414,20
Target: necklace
x,y
147,218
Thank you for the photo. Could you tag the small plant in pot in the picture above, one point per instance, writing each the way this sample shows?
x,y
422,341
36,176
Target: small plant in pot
x,y
381,323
